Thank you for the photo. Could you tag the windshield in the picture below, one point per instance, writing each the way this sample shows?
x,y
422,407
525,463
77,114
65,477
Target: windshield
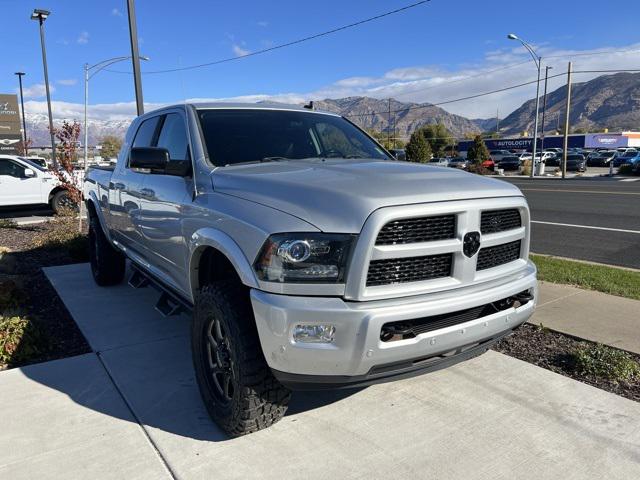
x,y
33,164
251,135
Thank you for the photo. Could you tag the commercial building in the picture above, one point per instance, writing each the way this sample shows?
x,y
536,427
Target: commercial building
x,y
587,140
10,126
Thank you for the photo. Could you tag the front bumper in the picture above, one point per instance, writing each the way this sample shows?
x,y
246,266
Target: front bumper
x,y
358,356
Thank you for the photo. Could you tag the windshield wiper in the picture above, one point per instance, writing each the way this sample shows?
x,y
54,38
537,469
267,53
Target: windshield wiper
x,y
273,159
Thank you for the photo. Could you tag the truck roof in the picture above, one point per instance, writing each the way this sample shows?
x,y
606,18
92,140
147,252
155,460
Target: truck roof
x,y
250,106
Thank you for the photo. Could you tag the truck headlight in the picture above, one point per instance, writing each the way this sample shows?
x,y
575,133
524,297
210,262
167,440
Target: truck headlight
x,y
304,258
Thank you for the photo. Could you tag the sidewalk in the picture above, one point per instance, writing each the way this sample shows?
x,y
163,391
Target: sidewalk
x,y
133,407
590,315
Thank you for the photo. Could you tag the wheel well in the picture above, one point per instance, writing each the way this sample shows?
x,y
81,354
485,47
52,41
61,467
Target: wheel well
x,y
214,266
54,191
91,209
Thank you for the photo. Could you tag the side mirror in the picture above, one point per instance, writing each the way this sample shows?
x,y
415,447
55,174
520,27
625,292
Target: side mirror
x,y
151,158
28,173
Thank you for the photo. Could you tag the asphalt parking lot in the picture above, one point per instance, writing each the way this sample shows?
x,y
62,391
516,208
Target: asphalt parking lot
x,y
595,219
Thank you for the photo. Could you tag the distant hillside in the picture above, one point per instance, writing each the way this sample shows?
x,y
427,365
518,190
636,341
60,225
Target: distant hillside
x,y
373,113
609,101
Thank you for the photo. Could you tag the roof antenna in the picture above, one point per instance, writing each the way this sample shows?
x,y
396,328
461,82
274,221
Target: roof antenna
x,y
309,105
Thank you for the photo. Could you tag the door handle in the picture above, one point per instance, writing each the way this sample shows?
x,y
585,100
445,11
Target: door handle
x,y
117,186
147,193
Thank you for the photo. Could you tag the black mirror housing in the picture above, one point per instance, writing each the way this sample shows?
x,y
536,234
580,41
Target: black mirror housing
x,y
151,158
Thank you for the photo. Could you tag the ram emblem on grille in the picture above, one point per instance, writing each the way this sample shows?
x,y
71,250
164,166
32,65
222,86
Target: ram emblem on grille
x,y
471,243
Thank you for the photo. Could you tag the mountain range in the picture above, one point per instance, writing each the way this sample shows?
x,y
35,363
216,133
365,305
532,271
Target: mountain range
x,y
611,101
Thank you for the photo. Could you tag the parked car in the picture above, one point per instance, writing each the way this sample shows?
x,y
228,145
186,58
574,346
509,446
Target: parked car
x,y
524,156
496,155
627,159
439,162
23,182
37,160
399,153
576,163
601,158
308,256
624,151
510,163
460,163
489,164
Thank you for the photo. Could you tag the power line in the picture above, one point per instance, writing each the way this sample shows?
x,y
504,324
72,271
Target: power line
x,y
288,44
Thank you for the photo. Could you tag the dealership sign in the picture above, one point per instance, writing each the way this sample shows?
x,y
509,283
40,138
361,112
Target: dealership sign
x,y
10,126
606,140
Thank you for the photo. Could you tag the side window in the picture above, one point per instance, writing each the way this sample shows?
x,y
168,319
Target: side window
x,y
173,137
11,169
146,132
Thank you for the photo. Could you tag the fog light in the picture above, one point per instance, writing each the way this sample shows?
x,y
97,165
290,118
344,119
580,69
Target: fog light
x,y
314,333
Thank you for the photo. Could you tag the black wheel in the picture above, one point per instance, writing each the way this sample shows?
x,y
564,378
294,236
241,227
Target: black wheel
x,y
240,392
107,263
61,200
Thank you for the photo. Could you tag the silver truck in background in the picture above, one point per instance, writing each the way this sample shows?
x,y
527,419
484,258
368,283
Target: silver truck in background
x,y
309,256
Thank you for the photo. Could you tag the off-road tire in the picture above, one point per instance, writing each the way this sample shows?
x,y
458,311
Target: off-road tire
x,y
107,263
60,201
258,399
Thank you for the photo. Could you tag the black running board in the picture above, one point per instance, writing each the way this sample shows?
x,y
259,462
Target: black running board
x,y
169,303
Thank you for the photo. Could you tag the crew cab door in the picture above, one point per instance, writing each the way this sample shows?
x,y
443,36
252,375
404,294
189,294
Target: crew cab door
x,y
17,186
163,197
125,190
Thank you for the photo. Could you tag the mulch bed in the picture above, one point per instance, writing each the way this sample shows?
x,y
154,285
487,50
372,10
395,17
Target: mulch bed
x,y
41,303
551,350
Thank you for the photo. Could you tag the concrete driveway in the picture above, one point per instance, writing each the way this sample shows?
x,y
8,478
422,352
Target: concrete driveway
x,y
136,411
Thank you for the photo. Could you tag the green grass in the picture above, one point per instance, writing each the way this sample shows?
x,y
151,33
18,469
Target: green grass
x,y
19,340
605,362
611,280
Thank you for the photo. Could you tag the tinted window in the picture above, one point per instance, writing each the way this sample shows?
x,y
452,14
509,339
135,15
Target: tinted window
x,y
146,132
244,135
11,169
575,157
173,137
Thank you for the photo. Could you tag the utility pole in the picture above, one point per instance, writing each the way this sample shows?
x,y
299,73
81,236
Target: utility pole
x,y
497,122
389,127
24,123
566,123
544,103
41,15
135,56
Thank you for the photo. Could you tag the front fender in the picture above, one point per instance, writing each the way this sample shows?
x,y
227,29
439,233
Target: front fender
x,y
211,237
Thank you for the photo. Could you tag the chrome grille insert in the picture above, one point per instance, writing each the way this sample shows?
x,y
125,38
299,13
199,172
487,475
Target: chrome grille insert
x,y
490,257
494,221
409,269
414,230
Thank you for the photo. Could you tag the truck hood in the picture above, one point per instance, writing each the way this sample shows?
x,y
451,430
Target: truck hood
x,y
337,195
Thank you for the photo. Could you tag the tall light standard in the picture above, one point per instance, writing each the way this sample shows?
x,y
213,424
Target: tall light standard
x,y
24,123
544,103
41,15
135,56
538,61
87,76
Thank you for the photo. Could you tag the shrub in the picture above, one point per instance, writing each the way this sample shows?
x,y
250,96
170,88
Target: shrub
x,y
19,340
7,223
605,362
65,236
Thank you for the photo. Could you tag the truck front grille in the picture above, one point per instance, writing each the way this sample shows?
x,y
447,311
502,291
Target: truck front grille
x,y
411,269
414,230
494,221
490,257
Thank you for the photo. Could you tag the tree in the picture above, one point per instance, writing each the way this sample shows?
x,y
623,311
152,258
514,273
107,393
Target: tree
x,y
67,136
478,151
438,138
20,147
110,146
418,150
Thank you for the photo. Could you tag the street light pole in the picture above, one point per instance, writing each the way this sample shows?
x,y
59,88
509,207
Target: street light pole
x,y
24,123
538,61
544,103
135,56
41,15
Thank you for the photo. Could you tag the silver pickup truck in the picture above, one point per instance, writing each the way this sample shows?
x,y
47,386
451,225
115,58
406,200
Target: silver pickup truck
x,y
309,257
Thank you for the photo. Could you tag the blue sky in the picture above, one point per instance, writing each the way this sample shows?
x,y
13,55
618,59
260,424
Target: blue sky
x,y
423,54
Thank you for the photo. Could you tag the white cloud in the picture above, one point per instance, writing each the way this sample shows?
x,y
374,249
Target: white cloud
x,y
239,51
67,82
263,23
426,83
83,38
36,90
116,13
